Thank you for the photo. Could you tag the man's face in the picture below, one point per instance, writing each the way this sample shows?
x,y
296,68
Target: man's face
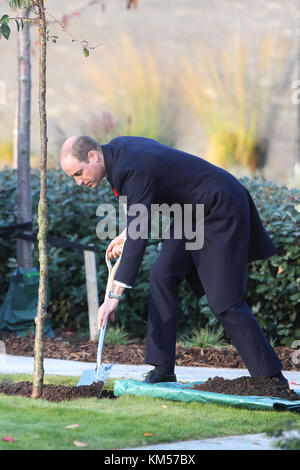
x,y
86,174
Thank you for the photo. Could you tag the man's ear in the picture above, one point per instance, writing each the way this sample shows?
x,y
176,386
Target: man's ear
x,y
93,156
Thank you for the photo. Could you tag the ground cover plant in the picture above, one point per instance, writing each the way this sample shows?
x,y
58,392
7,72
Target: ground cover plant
x,y
125,422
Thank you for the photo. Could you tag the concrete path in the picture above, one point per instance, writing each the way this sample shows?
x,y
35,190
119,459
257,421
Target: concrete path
x,y
24,365
244,442
18,365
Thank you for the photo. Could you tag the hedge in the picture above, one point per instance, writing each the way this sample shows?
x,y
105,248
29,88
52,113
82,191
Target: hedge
x,y
273,287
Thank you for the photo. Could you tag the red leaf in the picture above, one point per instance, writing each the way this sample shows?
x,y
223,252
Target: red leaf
x,y
8,438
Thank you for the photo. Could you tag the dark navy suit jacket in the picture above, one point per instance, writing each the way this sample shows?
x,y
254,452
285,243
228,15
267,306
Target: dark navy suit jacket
x,y
148,172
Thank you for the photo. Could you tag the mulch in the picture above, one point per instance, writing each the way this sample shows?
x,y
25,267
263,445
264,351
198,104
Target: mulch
x,y
70,346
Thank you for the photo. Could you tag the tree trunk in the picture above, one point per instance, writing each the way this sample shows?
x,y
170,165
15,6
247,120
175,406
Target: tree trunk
x,y
38,373
24,204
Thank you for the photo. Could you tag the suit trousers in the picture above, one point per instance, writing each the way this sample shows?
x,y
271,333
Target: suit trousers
x,y
172,266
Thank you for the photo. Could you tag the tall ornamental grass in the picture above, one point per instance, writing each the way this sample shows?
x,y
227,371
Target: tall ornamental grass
x,y
132,88
228,102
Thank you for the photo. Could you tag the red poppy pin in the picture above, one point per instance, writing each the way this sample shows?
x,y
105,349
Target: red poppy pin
x,y
116,192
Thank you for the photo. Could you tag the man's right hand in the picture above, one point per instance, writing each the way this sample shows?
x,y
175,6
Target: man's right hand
x,y
114,249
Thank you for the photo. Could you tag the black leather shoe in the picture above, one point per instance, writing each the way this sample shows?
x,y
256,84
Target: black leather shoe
x,y
154,376
282,379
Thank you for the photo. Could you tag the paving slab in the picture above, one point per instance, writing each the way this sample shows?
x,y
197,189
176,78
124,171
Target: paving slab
x,y
244,442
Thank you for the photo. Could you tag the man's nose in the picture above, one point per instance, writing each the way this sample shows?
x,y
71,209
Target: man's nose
x,y
79,181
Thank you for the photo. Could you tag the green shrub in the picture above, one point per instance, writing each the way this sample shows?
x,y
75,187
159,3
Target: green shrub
x,y
273,288
274,284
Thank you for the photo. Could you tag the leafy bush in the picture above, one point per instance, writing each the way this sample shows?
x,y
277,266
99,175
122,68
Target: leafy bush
x,y
273,288
274,284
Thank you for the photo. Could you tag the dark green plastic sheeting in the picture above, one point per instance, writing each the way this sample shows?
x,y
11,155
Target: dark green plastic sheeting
x,y
177,391
18,311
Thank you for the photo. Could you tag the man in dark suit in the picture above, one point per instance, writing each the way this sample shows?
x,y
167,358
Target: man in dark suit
x,y
149,173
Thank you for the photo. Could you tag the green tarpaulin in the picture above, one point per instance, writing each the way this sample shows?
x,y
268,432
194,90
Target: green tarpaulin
x,y
18,311
184,392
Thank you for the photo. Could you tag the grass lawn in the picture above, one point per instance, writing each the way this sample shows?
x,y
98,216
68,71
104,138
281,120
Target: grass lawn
x,y
125,422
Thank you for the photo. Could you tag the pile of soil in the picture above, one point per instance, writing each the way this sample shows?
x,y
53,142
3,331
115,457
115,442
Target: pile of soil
x,y
70,346
249,386
57,393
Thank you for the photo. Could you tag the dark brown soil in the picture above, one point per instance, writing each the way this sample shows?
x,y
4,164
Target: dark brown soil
x,y
57,393
68,345
250,386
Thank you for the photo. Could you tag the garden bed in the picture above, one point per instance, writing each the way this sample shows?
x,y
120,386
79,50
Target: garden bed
x,y
70,346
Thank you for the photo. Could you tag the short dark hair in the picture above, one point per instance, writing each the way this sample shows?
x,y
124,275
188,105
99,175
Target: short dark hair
x,y
82,146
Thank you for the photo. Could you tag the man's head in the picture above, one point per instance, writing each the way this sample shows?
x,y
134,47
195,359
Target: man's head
x,y
82,157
